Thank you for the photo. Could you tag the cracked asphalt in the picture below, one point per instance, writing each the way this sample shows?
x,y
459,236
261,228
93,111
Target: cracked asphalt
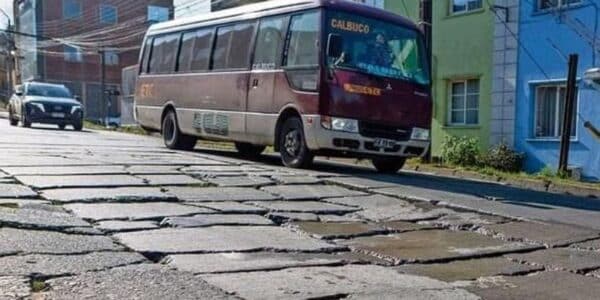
x,y
100,215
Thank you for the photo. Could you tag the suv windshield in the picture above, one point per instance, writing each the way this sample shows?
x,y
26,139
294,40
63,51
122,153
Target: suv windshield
x,y
379,48
48,91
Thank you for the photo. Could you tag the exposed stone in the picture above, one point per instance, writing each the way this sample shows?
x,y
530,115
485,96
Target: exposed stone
x,y
37,218
310,192
338,230
541,286
168,179
247,262
73,181
281,217
469,269
374,282
47,242
129,194
305,206
12,287
16,191
561,259
462,221
221,239
433,246
552,235
296,179
60,265
211,194
212,220
360,183
143,281
133,211
240,181
231,207
66,170
121,226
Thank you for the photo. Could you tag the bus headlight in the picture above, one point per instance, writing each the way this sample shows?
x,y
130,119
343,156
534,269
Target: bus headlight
x,y
340,124
420,134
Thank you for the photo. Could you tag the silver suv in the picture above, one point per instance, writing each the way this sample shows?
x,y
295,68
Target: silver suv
x,y
36,102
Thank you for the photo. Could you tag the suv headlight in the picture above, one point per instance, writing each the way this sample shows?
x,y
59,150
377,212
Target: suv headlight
x,y
420,134
340,124
75,108
39,106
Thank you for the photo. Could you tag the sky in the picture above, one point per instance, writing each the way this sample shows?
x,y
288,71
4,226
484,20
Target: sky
x,y
5,5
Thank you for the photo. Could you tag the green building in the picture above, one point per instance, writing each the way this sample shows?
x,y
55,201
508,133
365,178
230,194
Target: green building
x,y
463,68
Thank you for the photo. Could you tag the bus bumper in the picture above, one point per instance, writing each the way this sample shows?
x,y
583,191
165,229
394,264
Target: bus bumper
x,y
330,142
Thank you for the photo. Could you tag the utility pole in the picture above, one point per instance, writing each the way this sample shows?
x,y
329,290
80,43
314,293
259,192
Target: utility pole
x,y
567,118
103,98
10,47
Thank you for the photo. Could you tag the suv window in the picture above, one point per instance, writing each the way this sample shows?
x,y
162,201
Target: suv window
x,y
304,40
195,50
231,48
269,43
48,91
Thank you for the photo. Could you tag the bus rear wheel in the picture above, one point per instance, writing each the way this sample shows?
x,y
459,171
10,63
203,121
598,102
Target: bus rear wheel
x,y
388,165
292,145
173,137
249,150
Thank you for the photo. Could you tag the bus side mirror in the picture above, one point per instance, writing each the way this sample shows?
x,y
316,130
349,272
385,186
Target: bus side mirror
x,y
335,45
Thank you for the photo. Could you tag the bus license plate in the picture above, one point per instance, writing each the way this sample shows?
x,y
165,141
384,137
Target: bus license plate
x,y
384,143
58,115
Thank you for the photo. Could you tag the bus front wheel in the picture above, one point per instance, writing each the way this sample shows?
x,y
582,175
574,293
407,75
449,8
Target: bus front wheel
x,y
173,137
292,145
388,165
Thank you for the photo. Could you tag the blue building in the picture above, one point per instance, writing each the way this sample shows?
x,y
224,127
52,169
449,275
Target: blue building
x,y
550,30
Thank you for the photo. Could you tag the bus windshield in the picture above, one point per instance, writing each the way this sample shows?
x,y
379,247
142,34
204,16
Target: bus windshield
x,y
379,48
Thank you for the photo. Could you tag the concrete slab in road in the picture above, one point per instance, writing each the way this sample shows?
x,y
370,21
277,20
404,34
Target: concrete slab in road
x,y
14,287
434,246
231,207
310,192
338,230
372,282
121,226
551,235
211,194
240,181
16,191
143,281
72,181
133,211
221,239
126,194
66,170
216,219
564,259
39,219
171,179
305,207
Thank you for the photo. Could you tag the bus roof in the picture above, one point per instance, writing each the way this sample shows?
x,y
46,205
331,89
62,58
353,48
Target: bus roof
x,y
257,10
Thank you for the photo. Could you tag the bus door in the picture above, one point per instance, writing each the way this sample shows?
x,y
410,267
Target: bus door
x,y
266,66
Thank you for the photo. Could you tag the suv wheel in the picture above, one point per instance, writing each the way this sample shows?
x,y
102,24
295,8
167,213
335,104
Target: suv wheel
x,y
25,120
292,145
11,118
173,137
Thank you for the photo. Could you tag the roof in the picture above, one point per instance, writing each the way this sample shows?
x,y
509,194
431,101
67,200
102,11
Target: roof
x,y
252,11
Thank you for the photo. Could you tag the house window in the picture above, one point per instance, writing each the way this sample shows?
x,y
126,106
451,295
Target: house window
x,y
158,13
111,58
72,54
71,9
553,4
462,6
464,103
108,14
549,110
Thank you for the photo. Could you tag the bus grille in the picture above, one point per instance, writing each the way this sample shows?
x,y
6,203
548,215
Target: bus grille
x,y
373,130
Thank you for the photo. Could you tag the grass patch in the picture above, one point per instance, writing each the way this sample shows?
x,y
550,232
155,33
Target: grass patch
x,y
132,129
38,286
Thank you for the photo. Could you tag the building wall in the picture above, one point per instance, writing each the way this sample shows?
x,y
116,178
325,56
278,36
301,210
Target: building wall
x,y
547,36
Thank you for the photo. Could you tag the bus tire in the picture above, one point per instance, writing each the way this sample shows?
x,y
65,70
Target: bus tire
x,y
173,137
388,165
249,150
292,145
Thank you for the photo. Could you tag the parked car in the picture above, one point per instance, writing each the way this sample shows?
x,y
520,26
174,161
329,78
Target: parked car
x,y
36,102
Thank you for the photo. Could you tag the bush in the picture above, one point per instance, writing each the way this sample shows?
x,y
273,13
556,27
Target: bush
x,y
460,151
503,158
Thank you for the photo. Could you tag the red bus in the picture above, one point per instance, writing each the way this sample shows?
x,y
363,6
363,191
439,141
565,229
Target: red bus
x,y
309,77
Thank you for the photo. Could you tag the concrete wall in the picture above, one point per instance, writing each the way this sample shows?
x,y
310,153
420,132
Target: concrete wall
x,y
548,36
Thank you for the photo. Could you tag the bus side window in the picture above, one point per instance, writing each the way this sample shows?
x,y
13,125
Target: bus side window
x,y
146,56
231,49
195,50
303,42
164,53
269,43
